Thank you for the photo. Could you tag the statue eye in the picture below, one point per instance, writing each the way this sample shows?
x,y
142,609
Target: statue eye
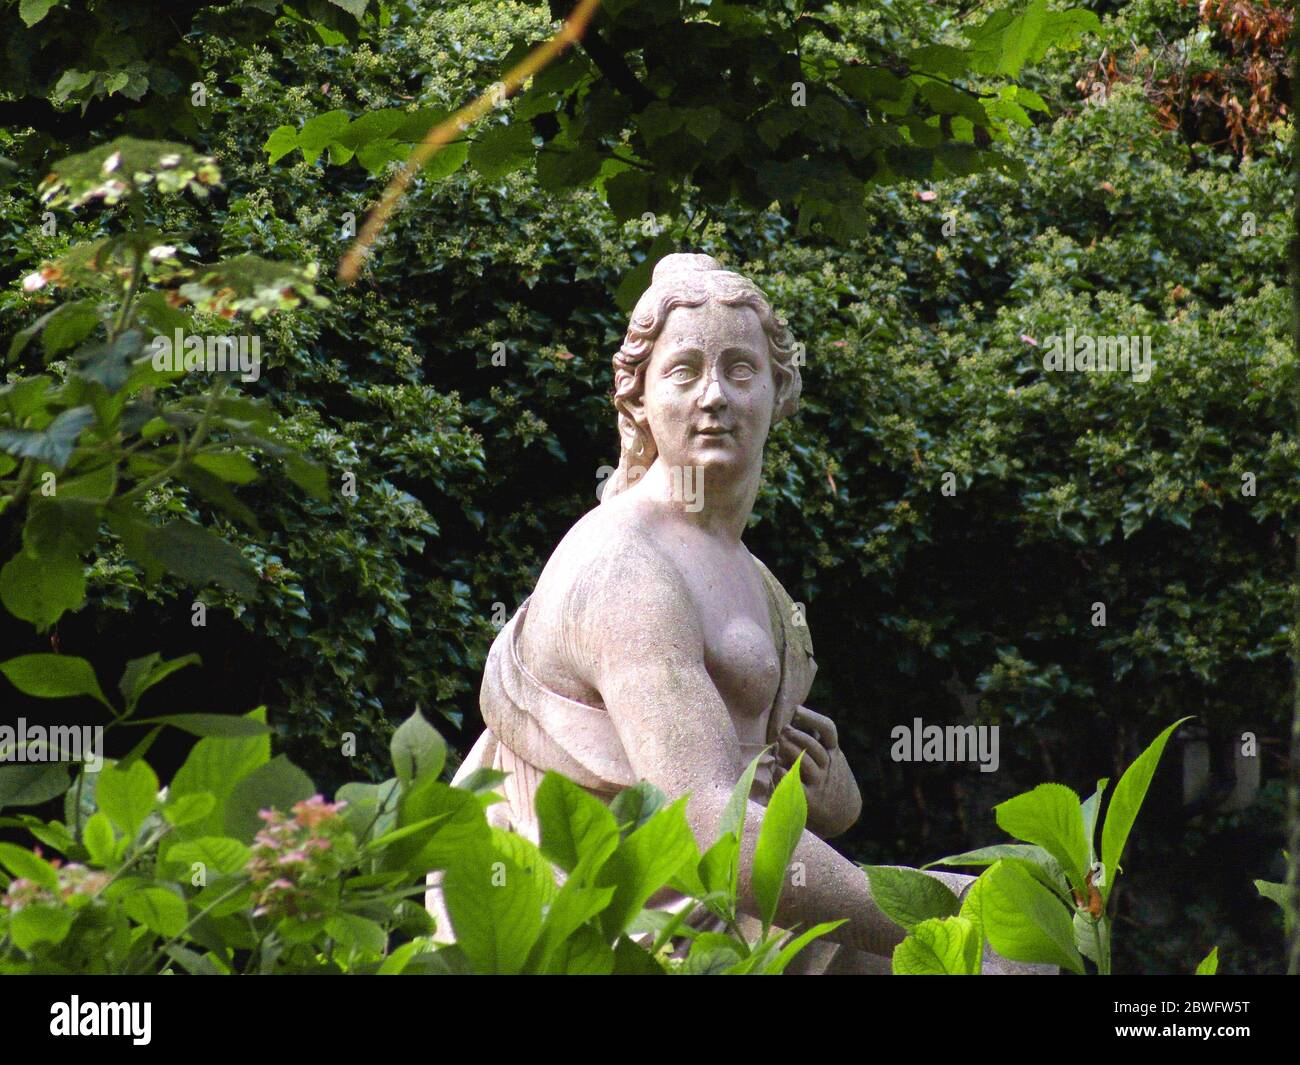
x,y
681,374
742,371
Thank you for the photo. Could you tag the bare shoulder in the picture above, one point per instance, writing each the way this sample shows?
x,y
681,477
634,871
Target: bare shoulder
x,y
610,584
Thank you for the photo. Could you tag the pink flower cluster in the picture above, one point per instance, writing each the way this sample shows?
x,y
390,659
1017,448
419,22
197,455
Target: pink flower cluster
x,y
74,879
294,857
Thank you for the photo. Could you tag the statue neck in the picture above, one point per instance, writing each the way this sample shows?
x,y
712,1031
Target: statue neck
x,y
717,501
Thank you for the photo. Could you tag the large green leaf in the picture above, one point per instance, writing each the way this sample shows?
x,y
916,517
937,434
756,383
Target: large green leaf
x,y
199,557
643,863
52,445
450,821
40,924
1023,920
216,765
208,724
908,896
417,749
573,907
23,863
1125,803
41,591
575,827
32,11
33,783
1049,816
127,795
53,677
278,784
356,933
1089,810
939,947
495,909
783,824
320,131
100,839
633,807
157,909
790,950
143,673
364,803
499,150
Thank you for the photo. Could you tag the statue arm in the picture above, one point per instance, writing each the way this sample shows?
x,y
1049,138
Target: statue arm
x,y
642,647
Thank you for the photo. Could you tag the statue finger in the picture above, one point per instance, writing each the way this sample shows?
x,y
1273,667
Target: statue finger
x,y
819,725
816,752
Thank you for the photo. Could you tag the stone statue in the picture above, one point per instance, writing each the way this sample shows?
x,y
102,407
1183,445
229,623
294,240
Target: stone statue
x,y
655,646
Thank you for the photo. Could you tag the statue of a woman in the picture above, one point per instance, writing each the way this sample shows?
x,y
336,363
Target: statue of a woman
x,y
655,646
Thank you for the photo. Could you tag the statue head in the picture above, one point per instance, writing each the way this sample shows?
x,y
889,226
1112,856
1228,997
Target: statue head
x,y
724,341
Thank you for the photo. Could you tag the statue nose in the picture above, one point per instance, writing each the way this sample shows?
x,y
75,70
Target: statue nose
x,y
713,396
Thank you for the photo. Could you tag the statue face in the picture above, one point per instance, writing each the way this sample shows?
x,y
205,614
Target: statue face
x,y
710,390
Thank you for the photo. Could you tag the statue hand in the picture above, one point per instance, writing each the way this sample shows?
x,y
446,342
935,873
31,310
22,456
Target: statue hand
x,y
833,798
813,734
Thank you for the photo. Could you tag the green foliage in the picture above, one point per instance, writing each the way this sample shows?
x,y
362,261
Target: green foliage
x,y
1071,488
65,60
240,867
88,444
908,897
1016,903
802,109
1279,894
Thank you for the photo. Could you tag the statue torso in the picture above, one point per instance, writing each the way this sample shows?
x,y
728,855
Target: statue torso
x,y
726,588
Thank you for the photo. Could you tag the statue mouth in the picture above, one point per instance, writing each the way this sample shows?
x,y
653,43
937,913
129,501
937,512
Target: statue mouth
x,y
713,430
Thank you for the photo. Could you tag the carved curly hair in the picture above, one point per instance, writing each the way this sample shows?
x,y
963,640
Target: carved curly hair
x,y
686,280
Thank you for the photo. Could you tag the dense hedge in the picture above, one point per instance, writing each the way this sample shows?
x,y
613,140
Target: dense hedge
x,y
924,358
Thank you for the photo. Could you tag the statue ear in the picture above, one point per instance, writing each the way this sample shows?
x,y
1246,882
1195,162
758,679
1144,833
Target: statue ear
x,y
635,416
788,387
